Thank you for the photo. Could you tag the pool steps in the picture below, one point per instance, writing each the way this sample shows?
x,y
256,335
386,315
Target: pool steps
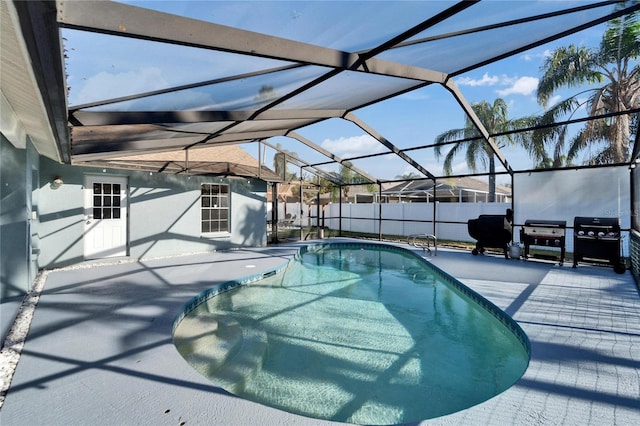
x,y
234,356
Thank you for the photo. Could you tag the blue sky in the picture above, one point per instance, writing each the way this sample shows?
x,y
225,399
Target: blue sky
x,y
412,119
416,118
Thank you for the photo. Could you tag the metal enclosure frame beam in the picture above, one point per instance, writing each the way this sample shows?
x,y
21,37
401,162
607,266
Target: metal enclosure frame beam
x,y
462,101
328,154
384,141
134,22
317,171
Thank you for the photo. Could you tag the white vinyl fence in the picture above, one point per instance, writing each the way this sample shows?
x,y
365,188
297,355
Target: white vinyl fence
x,y
406,219
550,195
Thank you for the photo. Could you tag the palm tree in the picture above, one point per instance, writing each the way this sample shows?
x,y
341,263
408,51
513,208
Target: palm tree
x,y
613,70
347,175
409,176
495,119
280,164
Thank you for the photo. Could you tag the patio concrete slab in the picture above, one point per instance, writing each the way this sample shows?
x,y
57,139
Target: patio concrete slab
x,y
100,353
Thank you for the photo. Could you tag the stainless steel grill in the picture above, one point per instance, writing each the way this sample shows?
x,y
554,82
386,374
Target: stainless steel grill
x,y
597,239
548,233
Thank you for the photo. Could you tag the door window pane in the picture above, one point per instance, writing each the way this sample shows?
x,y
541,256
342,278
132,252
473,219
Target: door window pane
x,y
107,201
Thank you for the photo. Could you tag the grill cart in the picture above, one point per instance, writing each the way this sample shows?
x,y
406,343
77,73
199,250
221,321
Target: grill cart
x,y
548,233
489,232
597,239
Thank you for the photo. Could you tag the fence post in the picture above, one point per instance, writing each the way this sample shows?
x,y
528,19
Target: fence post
x,y
340,210
435,202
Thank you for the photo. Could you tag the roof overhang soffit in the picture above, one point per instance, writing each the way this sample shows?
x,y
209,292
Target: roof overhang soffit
x,y
38,49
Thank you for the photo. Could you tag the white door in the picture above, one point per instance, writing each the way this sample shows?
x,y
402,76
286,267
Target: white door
x,y
105,217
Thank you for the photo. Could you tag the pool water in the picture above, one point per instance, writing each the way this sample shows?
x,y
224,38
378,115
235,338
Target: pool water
x,y
367,334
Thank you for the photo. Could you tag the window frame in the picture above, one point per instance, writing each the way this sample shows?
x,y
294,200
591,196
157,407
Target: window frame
x,y
215,202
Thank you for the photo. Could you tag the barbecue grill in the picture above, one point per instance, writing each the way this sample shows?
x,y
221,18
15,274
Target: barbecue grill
x,y
489,231
548,233
597,239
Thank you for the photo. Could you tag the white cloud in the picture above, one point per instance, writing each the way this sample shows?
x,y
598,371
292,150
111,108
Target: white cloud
x,y
532,56
521,86
353,146
513,86
486,80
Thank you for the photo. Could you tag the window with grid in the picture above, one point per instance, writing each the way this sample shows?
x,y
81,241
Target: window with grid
x,y
106,200
214,207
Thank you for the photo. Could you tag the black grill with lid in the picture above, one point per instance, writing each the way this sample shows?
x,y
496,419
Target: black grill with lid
x,y
597,239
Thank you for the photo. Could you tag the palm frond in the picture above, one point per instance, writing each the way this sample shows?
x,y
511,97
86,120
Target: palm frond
x,y
621,39
569,66
446,137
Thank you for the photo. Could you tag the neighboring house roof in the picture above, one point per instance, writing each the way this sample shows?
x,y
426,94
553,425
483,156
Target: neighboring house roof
x,y
453,184
222,160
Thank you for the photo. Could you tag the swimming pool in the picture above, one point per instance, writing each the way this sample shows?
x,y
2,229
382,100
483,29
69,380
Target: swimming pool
x,y
358,333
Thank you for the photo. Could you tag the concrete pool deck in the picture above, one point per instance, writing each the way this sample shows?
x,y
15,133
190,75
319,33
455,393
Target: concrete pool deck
x,y
99,350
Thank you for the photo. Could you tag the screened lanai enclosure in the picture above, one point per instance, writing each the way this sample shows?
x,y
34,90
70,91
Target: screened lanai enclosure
x,y
376,118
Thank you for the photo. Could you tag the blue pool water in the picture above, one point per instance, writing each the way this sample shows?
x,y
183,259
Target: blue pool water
x,y
365,334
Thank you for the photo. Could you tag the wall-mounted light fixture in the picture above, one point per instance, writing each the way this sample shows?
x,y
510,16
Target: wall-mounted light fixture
x,y
57,182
